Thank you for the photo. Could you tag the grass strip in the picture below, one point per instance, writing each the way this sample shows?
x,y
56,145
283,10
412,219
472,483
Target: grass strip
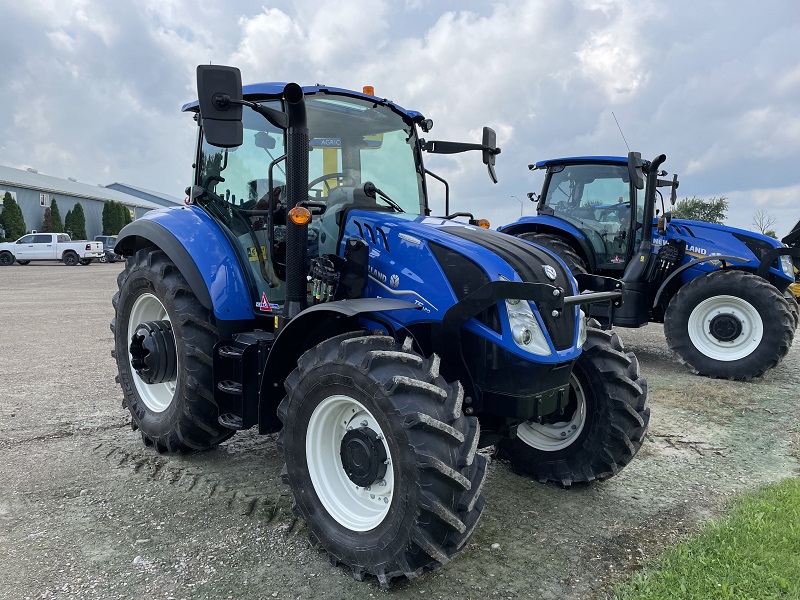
x,y
753,552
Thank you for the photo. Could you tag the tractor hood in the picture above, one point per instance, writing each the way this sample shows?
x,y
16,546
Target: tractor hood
x,y
706,239
447,260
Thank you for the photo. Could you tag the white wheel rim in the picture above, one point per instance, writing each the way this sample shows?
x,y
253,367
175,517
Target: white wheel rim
x,y
356,508
156,396
744,344
551,437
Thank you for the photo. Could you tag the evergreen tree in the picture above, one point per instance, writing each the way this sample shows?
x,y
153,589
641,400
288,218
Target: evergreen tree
x,y
11,218
78,222
47,221
55,215
126,216
108,209
68,223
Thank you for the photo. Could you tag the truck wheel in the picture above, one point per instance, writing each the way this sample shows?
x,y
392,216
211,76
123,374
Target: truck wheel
x,y
70,259
85,261
24,262
379,456
729,325
6,259
791,300
103,258
163,344
559,247
604,424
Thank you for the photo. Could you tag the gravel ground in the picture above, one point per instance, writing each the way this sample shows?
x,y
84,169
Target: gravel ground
x,y
86,511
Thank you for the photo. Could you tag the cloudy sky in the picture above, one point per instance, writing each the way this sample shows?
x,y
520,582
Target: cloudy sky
x,y
93,89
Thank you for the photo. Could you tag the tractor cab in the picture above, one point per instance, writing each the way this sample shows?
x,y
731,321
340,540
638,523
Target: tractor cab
x,y
597,196
363,153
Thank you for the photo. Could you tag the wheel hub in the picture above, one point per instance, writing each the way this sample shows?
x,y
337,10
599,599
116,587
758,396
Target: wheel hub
x,y
153,353
725,327
364,456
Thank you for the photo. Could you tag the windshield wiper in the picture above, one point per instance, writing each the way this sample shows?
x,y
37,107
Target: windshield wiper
x,y
371,190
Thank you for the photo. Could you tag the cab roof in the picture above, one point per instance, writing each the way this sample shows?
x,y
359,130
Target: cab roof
x,y
275,88
580,160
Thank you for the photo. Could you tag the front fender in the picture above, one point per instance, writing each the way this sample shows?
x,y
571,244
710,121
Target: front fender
x,y
202,253
302,333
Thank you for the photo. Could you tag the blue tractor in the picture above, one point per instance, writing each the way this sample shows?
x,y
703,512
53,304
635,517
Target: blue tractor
x,y
721,292
306,289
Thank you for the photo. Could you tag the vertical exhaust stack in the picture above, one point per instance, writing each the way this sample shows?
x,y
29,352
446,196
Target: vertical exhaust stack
x,y
296,191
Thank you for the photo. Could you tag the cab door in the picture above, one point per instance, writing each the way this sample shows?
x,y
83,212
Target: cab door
x,y
44,246
25,249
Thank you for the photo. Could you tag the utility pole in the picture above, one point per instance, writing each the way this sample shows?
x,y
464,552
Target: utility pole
x,y
520,205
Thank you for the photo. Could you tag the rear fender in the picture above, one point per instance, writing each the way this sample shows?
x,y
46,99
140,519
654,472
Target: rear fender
x,y
202,253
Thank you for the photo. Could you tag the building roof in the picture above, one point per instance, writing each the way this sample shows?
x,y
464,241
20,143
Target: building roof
x,y
145,194
46,183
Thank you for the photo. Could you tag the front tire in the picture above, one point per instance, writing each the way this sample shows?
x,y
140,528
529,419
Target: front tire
x,y
6,259
729,325
379,456
603,427
174,412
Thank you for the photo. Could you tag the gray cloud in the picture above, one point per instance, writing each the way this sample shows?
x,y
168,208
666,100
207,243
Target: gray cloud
x,y
93,89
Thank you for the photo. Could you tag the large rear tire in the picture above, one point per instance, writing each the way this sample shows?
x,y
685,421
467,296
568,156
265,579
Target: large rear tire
x,y
6,259
380,458
603,427
729,325
559,247
174,412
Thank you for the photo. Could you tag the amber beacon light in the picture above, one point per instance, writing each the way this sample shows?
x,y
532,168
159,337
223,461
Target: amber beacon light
x,y
369,89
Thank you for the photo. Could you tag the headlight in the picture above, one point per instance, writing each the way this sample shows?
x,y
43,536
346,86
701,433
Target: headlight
x,y
787,266
525,328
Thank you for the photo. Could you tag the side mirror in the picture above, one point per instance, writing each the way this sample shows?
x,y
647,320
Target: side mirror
x,y
673,195
663,221
635,169
220,118
490,150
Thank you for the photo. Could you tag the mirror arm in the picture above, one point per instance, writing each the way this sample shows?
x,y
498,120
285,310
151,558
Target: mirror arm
x,y
277,118
439,147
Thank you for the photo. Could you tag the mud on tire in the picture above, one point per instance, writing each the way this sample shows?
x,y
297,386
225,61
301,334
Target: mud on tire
x,y
604,425
729,304
179,414
359,392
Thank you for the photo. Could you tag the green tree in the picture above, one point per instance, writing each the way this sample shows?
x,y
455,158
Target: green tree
x,y
11,218
47,221
78,222
114,214
68,223
127,218
108,209
55,215
712,210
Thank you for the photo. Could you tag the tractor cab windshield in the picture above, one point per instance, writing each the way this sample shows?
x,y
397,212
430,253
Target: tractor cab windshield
x,y
596,199
352,142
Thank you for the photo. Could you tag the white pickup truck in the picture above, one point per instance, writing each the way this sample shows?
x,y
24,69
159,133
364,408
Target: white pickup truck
x,y
49,246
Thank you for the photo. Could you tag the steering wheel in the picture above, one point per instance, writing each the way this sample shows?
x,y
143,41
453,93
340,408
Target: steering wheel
x,y
338,175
